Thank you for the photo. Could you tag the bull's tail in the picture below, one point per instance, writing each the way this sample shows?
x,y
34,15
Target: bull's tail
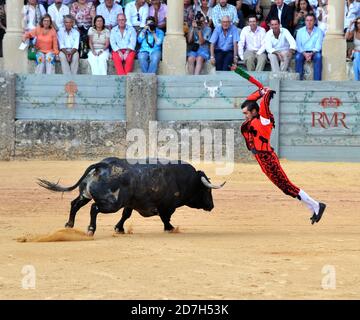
x,y
58,188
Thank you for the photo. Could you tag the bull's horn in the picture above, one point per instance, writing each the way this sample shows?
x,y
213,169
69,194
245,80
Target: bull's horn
x,y
205,85
210,185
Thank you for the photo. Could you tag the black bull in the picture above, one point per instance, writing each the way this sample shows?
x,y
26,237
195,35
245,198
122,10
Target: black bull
x,y
149,188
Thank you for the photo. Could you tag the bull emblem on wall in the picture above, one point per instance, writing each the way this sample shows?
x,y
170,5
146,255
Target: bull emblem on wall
x,y
212,90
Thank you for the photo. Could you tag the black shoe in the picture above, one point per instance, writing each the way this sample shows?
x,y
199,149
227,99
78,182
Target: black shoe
x,y
317,217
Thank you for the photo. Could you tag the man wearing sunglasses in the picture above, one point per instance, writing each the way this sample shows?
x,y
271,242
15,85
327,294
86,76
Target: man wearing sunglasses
x,y
136,13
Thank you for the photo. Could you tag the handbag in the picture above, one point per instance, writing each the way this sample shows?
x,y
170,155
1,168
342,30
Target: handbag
x,y
32,52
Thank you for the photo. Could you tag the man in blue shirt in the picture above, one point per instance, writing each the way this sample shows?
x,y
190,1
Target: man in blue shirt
x,y
150,39
309,40
223,45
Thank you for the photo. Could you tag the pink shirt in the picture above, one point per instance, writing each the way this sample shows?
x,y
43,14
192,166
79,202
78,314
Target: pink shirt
x,y
162,13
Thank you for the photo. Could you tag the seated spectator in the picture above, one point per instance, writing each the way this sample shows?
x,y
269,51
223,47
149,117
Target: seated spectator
x,y
290,3
123,42
250,7
198,39
309,40
355,35
223,9
223,45
68,2
46,45
83,12
302,9
281,11
158,10
189,14
205,7
252,40
69,39
322,15
99,41
57,11
280,45
352,10
109,10
150,39
44,3
2,25
32,13
136,14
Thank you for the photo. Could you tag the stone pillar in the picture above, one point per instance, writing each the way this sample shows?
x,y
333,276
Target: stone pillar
x,y
334,46
174,47
141,111
7,115
15,60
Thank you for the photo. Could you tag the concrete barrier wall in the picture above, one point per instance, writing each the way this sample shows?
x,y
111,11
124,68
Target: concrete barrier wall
x,y
88,117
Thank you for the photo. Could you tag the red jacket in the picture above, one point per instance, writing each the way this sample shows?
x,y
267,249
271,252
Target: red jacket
x,y
257,131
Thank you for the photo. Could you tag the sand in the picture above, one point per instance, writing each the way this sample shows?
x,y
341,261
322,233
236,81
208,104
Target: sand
x,y
256,244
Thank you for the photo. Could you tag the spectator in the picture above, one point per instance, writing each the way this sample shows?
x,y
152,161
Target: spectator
x,y
151,39
136,14
99,41
69,39
355,35
68,3
46,45
252,40
2,25
290,3
123,42
109,10
32,13
223,9
302,9
206,10
83,12
309,41
158,10
280,45
322,15
44,3
281,11
189,14
223,45
198,38
250,7
352,10
57,11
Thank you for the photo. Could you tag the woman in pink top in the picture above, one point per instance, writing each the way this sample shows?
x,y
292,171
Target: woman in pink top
x,y
46,45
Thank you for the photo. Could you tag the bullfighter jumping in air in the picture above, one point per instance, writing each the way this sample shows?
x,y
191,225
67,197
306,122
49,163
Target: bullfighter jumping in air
x,y
257,131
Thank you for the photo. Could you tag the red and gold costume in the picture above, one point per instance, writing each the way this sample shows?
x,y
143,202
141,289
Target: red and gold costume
x,y
257,133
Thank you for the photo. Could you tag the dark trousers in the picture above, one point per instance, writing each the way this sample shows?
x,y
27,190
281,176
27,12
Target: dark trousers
x,y
224,59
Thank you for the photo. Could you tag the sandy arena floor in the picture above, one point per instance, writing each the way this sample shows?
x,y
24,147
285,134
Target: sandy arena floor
x,y
256,244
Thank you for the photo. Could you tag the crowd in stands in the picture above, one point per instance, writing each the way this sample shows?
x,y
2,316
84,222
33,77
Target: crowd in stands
x,y
222,32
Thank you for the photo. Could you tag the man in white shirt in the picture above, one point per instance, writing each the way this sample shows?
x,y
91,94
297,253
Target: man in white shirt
x,y
69,39
136,14
280,45
109,10
251,47
57,11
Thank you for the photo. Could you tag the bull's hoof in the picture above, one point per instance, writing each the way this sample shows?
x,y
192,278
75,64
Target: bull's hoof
x,y
69,225
90,231
119,231
173,230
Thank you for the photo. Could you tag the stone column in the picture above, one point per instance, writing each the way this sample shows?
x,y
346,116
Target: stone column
x,y
334,46
15,60
174,47
141,112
